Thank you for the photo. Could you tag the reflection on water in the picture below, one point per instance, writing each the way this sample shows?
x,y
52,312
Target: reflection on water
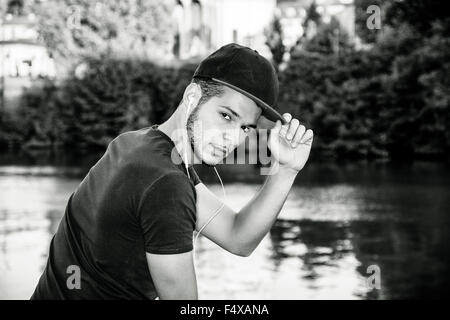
x,y
338,220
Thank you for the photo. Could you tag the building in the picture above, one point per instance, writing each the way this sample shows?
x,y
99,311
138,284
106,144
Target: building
x,y
292,14
203,26
23,59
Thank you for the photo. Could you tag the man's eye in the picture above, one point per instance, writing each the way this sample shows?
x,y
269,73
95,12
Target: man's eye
x,y
246,129
226,116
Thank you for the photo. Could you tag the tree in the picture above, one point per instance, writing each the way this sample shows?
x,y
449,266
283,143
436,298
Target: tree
x,y
309,25
330,38
419,14
112,95
392,99
72,29
274,40
312,17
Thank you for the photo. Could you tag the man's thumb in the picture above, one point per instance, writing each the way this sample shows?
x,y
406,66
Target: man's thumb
x,y
276,129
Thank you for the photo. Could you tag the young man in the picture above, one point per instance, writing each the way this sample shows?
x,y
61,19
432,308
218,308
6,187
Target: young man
x,y
128,228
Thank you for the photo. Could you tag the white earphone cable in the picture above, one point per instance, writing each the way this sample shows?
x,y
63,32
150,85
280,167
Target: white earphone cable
x,y
212,217
218,176
217,211
187,141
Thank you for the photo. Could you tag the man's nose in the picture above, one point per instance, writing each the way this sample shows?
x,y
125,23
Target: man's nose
x,y
231,137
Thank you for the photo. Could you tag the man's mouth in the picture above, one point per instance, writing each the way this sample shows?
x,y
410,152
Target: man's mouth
x,y
219,150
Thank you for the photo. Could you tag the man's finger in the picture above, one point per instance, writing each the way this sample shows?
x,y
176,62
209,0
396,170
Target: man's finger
x,y
293,126
287,116
284,127
298,136
307,137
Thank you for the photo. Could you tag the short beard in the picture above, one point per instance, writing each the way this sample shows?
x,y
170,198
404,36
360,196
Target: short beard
x,y
190,125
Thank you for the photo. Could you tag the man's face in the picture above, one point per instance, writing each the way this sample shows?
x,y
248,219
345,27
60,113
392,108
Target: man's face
x,y
218,126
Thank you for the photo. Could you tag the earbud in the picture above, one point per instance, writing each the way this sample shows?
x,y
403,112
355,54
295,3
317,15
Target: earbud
x,y
190,100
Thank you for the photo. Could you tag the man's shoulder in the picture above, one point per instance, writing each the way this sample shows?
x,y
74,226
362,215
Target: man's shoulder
x,y
145,157
143,148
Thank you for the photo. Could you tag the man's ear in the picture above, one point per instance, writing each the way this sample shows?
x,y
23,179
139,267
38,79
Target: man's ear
x,y
192,94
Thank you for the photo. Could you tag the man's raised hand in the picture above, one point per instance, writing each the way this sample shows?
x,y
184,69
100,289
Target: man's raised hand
x,y
290,143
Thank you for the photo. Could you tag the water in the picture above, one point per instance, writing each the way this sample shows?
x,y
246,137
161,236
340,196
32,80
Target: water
x,y
338,220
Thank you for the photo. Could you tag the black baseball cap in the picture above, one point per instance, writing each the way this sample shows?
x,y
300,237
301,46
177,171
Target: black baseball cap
x,y
246,71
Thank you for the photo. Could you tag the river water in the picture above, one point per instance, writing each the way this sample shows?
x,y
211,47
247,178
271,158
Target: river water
x,y
360,230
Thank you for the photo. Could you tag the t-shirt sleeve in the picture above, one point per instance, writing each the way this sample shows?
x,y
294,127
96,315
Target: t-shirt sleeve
x,y
194,176
167,215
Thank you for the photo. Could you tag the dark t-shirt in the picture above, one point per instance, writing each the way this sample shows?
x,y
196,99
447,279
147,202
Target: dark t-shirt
x,y
134,200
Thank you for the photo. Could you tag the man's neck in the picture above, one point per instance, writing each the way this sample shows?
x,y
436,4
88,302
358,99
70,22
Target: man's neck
x,y
175,129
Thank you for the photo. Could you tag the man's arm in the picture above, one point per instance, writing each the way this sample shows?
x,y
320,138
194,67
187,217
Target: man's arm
x,y
241,232
173,275
167,218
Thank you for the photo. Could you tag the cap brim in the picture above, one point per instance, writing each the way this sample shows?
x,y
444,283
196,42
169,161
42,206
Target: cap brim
x,y
264,123
267,111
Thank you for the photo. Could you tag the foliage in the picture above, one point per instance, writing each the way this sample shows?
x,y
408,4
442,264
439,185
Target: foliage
x,y
100,99
274,36
390,100
74,29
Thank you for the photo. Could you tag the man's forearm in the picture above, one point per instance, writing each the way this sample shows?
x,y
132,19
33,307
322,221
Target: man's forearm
x,y
257,217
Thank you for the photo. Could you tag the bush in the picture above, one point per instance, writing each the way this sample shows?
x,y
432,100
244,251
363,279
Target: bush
x,y
114,96
390,100
100,99
11,136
